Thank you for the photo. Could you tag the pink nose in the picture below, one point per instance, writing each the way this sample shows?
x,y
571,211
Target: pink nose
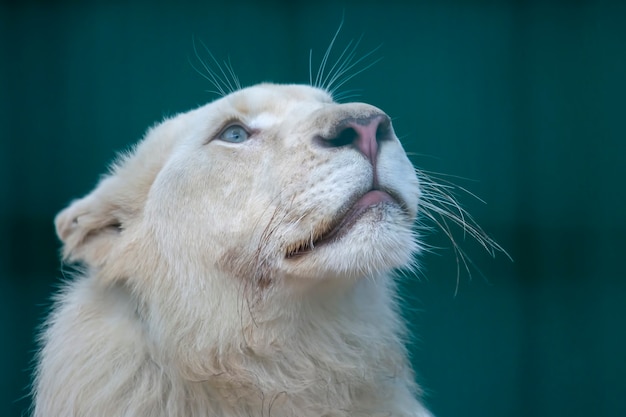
x,y
363,133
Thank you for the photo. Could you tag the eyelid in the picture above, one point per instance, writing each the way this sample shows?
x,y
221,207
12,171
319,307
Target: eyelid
x,y
234,122
230,122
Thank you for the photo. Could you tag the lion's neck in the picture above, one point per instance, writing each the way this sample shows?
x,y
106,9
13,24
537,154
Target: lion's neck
x,y
299,354
343,350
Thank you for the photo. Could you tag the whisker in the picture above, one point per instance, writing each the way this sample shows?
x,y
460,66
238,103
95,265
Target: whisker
x,y
458,252
348,94
320,71
348,66
440,206
231,72
340,62
210,75
227,79
335,77
435,174
351,76
221,76
453,185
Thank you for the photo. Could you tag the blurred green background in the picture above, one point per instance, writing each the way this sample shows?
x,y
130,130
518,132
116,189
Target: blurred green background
x,y
524,99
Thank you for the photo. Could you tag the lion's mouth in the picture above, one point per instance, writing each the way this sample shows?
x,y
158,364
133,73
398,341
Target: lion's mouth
x,y
344,222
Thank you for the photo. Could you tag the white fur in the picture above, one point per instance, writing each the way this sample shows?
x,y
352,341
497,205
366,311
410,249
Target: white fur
x,y
188,305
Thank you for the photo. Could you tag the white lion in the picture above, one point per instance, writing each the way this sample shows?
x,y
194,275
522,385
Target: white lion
x,y
238,263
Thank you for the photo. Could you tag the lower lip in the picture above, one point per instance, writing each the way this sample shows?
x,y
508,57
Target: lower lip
x,y
357,209
367,201
373,198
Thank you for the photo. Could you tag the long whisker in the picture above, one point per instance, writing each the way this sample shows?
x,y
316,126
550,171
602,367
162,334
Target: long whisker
x,y
348,94
221,76
348,65
320,71
463,219
334,78
443,225
210,74
452,185
440,206
346,55
354,74
231,72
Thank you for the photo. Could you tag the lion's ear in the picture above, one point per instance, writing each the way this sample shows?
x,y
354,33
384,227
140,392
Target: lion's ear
x,y
94,228
91,227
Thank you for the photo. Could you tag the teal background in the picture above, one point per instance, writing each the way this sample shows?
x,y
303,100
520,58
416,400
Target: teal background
x,y
524,99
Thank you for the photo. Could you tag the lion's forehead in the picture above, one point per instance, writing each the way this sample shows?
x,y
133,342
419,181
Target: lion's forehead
x,y
263,121
265,103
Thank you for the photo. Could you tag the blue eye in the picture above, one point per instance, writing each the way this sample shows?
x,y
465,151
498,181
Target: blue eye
x,y
234,134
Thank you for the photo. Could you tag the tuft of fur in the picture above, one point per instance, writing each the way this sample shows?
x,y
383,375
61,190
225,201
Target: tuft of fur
x,y
191,304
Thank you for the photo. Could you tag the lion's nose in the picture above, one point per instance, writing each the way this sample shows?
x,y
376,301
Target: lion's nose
x,y
363,133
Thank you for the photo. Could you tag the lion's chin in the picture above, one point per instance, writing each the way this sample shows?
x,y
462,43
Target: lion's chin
x,y
343,222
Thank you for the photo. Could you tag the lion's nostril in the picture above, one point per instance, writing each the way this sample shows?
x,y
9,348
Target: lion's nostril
x,y
363,133
383,131
346,137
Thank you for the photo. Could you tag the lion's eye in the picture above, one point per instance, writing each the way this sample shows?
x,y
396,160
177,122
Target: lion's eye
x,y
234,134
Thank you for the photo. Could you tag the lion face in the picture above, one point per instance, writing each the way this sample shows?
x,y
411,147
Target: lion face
x,y
272,183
